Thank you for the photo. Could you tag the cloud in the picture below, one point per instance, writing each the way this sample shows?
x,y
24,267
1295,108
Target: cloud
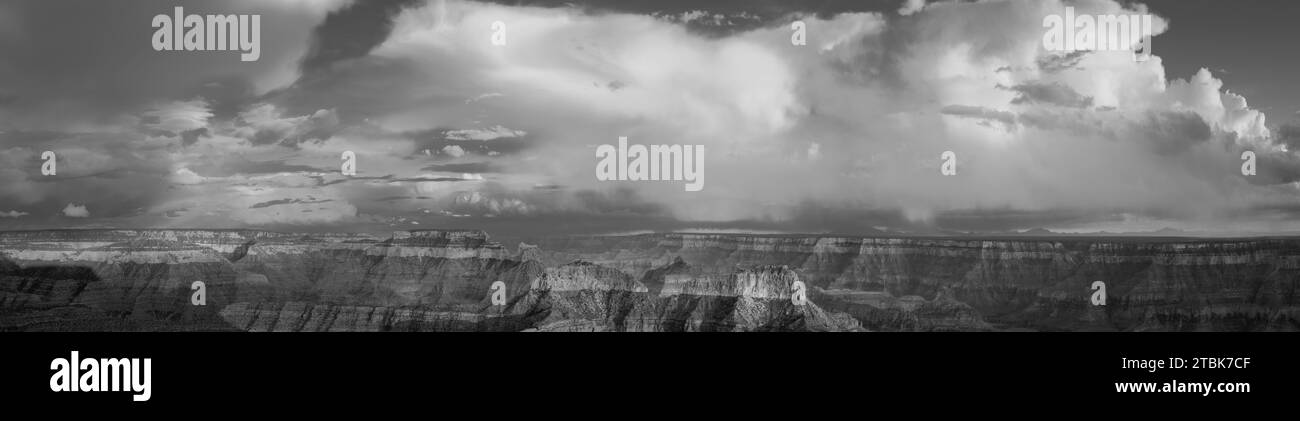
x,y
1049,93
178,116
185,176
57,79
466,167
265,124
12,214
495,132
1227,111
349,31
76,211
845,131
297,213
1289,135
285,202
1004,117
1173,131
911,6
454,151
710,22
486,96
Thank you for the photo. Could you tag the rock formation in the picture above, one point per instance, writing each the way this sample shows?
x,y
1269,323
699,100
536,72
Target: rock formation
x,y
444,280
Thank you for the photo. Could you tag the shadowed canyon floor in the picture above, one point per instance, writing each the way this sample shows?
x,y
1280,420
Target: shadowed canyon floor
x,y
132,280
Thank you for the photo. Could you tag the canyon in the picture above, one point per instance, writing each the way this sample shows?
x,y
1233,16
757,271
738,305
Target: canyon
x,y
441,280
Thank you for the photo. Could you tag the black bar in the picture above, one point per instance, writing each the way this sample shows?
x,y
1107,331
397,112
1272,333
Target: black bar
x,y
322,372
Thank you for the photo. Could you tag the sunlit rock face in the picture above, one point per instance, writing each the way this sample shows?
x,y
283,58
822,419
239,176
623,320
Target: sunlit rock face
x,y
460,280
969,284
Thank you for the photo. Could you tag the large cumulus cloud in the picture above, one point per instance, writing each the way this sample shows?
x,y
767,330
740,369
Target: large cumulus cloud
x,y
857,119
847,130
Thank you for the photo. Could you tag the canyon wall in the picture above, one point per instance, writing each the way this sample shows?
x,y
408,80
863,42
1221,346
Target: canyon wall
x,y
442,280
1004,284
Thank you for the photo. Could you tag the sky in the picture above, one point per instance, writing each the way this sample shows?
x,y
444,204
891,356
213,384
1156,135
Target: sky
x,y
842,135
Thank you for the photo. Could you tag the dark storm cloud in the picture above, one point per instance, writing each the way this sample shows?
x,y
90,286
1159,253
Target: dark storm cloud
x,y
1057,62
398,198
424,179
265,124
226,96
285,202
1049,93
351,32
106,172
1073,121
732,15
390,178
436,139
350,86
1005,117
90,61
1163,132
1276,168
1289,134
495,200
464,167
1170,132
189,137
230,167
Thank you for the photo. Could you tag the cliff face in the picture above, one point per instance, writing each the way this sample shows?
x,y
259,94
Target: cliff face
x,y
418,280
129,280
589,297
957,284
445,280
